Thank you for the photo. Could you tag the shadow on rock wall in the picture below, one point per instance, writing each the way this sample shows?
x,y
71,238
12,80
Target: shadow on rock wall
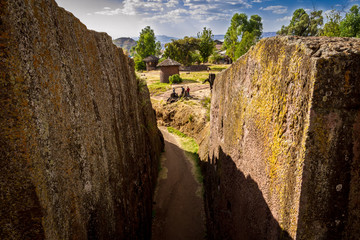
x,y
235,206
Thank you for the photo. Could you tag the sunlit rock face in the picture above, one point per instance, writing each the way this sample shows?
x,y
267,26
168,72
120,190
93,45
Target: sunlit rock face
x,y
284,146
79,143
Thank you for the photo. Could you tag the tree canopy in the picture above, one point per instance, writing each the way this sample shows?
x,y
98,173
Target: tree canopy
x,y
350,25
332,27
302,24
145,46
240,27
182,50
206,44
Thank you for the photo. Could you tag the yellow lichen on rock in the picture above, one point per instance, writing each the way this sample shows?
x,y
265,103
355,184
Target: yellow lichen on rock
x,y
270,123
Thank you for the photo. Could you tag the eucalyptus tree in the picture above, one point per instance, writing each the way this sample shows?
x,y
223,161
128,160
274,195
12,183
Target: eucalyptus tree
x,y
242,33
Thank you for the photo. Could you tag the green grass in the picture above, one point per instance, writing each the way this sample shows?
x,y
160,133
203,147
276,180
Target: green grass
x,y
194,77
176,132
158,87
191,148
219,67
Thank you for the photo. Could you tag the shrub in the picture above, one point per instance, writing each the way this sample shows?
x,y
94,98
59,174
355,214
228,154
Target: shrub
x,y
215,58
139,65
175,79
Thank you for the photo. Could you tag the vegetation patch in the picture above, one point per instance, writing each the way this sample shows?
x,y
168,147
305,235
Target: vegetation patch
x,y
175,79
194,77
158,88
219,68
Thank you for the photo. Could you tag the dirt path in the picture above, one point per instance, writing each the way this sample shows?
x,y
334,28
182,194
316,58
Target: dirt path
x,y
197,91
179,211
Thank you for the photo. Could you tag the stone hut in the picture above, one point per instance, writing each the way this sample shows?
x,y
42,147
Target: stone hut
x,y
151,62
168,68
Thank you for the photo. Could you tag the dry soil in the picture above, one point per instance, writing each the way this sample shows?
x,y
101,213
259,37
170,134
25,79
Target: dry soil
x,y
178,206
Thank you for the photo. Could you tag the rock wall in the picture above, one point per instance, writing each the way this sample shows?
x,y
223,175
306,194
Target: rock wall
x,y
79,143
284,142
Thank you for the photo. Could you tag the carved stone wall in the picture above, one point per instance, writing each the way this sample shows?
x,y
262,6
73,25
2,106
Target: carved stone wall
x,y
284,142
79,143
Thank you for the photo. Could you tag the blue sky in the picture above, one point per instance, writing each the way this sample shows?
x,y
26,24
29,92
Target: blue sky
x,y
179,18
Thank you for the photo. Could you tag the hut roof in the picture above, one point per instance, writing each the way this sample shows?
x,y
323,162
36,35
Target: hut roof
x,y
151,58
168,62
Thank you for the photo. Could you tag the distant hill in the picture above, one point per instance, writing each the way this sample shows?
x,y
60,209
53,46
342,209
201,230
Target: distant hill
x,y
162,38
219,37
125,43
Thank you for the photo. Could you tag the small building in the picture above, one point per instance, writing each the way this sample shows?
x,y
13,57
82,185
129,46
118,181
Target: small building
x,y
168,68
151,62
218,45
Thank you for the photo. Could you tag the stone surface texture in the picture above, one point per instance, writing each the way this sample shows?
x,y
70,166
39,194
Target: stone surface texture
x,y
79,144
284,145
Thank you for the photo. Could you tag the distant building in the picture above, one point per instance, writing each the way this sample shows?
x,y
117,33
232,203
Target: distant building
x,y
151,62
218,45
168,68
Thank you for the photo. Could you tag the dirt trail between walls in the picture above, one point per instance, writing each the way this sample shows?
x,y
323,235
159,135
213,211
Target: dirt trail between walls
x,y
178,207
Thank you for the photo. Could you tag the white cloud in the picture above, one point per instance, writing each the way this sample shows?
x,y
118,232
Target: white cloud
x,y
260,1
109,12
175,10
278,9
286,18
172,3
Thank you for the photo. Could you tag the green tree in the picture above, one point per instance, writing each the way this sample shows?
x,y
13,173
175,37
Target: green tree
x,y
239,27
182,50
302,24
316,21
350,25
145,46
299,24
248,40
206,44
158,48
231,39
255,26
332,27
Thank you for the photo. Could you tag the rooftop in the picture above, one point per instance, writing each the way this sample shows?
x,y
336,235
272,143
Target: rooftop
x,y
151,58
168,62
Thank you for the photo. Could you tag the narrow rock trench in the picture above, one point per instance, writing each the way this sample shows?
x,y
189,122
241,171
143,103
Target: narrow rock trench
x,y
178,211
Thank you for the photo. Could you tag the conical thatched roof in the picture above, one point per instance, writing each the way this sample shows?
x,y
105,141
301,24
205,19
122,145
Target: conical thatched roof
x,y
151,58
168,62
